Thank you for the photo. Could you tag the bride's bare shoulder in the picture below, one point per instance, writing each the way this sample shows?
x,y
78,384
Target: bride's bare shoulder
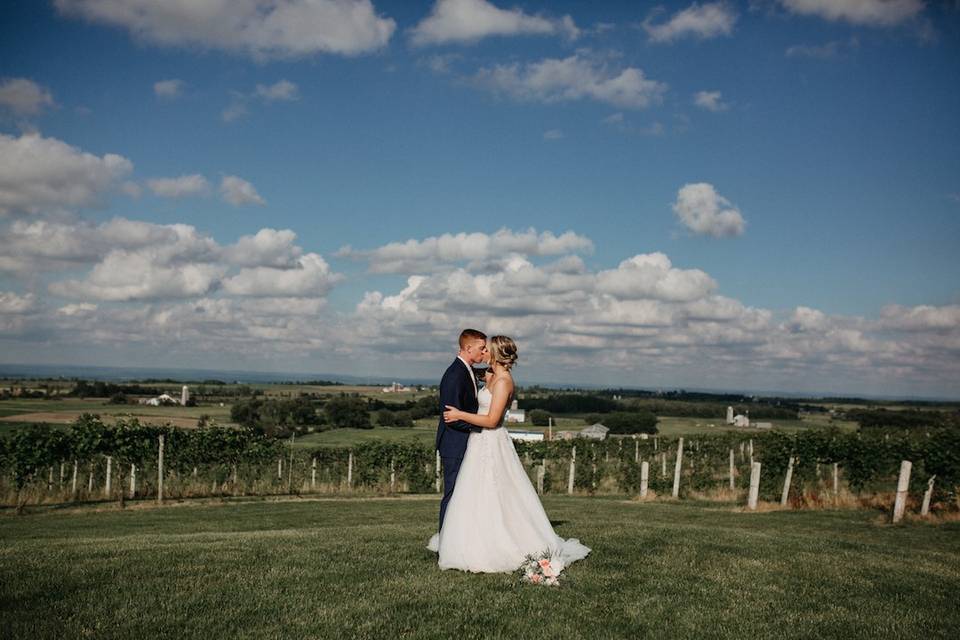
x,y
504,382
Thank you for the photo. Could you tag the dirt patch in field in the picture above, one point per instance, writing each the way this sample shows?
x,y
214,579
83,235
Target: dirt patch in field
x,y
66,417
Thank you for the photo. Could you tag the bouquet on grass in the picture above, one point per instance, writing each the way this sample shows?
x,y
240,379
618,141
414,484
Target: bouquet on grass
x,y
543,569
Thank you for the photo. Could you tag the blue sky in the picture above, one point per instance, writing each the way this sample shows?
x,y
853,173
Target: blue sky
x,y
758,195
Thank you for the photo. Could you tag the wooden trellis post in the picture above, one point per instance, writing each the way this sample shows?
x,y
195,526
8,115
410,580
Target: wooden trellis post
x,y
573,471
903,486
160,471
350,470
313,473
836,479
541,471
644,478
663,465
133,481
754,486
786,484
925,508
106,488
676,469
732,471
636,451
76,467
393,476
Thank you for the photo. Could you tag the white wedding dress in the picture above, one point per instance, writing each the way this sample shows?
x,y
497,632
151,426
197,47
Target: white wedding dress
x,y
494,518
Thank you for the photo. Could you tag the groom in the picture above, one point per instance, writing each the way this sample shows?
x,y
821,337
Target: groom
x,y
458,388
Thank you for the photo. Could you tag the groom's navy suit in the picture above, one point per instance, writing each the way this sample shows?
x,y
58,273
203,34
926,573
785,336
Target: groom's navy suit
x,y
457,389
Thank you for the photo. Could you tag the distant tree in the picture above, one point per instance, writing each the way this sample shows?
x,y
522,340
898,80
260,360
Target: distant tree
x,y
348,411
540,418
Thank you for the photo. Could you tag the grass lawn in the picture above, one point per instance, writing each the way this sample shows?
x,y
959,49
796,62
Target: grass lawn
x,y
352,568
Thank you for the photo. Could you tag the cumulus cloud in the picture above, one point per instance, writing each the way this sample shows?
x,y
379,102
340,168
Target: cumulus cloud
x,y
467,21
23,97
141,275
653,276
310,277
574,78
705,212
11,303
257,28
168,88
710,100
282,90
921,318
878,13
180,187
129,260
39,174
268,247
709,20
239,192
477,249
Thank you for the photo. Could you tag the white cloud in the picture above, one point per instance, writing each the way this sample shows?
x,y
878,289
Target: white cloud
x,y
180,187
258,28
12,303
921,318
168,88
478,249
652,276
141,275
268,247
440,63
573,78
702,210
81,309
24,97
822,52
710,100
467,21
552,134
236,109
40,174
880,13
239,192
709,20
311,277
283,90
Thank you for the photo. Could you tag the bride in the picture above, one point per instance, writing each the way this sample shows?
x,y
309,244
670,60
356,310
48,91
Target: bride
x,y
495,519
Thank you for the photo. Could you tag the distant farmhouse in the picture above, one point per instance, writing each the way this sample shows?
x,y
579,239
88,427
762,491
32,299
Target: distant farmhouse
x,y
514,414
396,387
595,432
526,436
744,420
165,399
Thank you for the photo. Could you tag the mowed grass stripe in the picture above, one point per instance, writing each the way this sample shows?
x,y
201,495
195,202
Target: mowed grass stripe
x,y
358,568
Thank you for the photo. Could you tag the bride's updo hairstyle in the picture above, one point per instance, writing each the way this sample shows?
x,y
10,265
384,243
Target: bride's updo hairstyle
x,y
503,351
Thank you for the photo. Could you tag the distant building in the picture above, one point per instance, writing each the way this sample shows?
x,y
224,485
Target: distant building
x,y
514,414
741,421
763,425
595,432
184,395
162,399
526,436
396,387
565,435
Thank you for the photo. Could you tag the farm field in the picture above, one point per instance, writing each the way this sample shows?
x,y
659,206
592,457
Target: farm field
x,y
357,568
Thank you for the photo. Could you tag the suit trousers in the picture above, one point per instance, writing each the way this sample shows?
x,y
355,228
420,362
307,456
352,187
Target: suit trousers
x,y
451,467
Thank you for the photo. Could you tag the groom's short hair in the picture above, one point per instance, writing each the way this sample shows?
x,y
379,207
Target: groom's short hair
x,y
471,334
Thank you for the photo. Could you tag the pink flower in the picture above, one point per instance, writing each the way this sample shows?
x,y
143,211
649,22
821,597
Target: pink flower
x,y
535,579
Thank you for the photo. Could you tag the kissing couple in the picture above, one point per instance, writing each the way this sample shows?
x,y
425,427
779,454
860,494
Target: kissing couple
x,y
491,518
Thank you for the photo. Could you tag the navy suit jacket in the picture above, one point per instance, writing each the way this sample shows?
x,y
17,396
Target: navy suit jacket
x,y
457,390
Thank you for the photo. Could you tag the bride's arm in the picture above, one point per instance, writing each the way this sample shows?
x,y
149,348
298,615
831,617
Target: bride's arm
x,y
498,404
